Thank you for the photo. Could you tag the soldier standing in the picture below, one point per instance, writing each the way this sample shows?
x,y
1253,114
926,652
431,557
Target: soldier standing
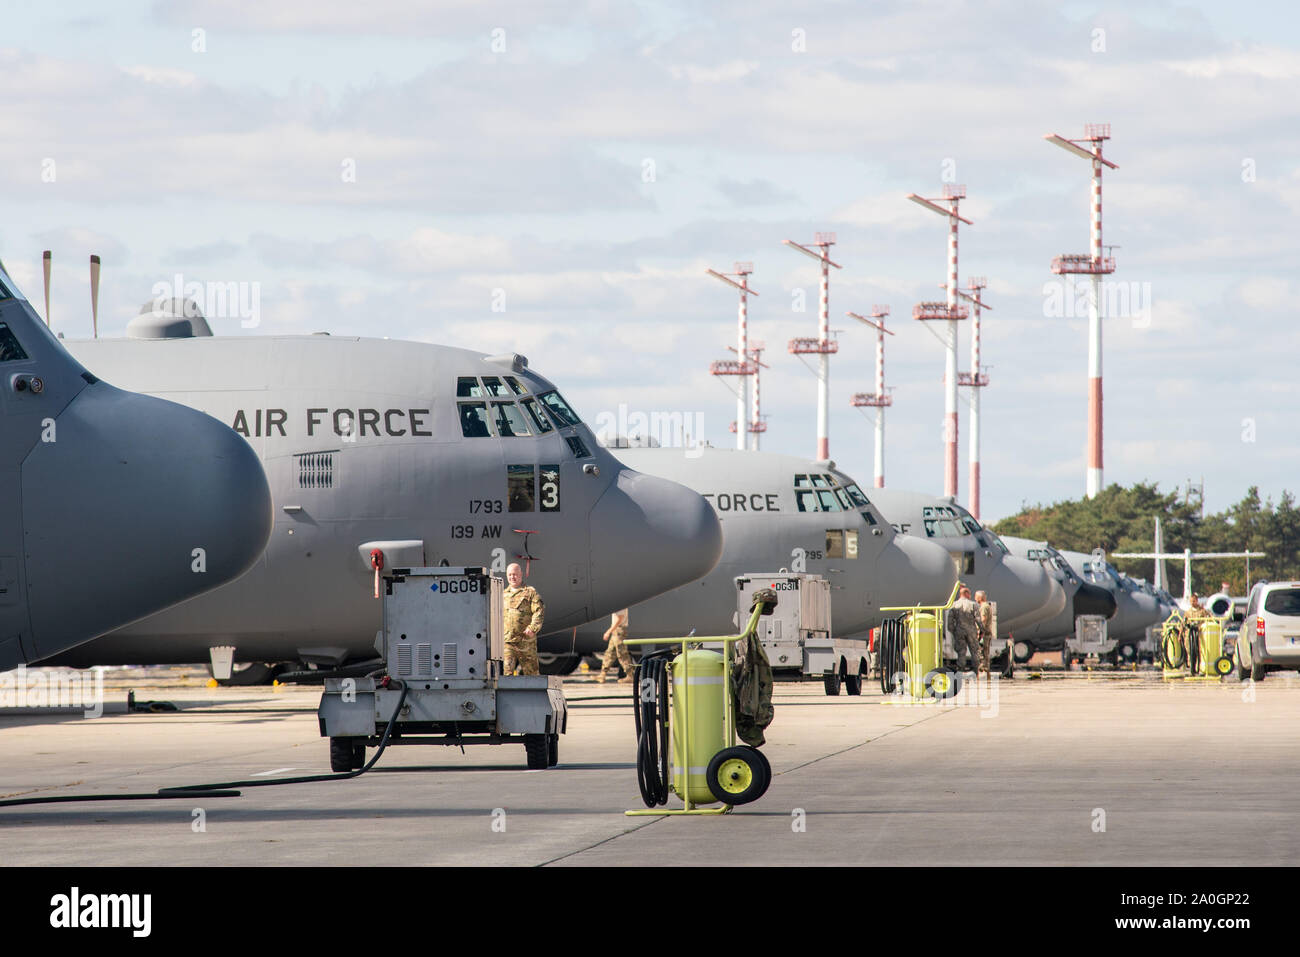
x,y
523,621
985,626
614,635
963,621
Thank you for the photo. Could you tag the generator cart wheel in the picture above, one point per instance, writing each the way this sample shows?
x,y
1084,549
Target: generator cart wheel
x,y
853,684
832,683
359,754
1222,665
552,750
942,683
738,775
341,754
767,765
538,751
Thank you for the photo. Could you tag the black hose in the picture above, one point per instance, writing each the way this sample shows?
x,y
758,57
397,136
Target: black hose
x,y
224,789
1194,648
891,658
650,707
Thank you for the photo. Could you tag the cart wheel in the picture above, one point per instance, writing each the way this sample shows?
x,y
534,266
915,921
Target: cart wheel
x,y
341,754
853,684
359,754
942,683
1222,665
538,751
552,750
832,683
738,775
767,765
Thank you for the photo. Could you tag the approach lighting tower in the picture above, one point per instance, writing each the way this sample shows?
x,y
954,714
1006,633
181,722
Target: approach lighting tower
x,y
756,426
741,366
880,399
823,346
949,312
1095,265
976,379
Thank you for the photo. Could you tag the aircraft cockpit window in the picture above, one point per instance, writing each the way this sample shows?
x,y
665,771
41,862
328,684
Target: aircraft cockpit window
x,y
467,387
801,481
542,423
807,500
972,526
827,500
519,488
10,350
474,420
980,540
855,493
509,420
844,500
4,291
819,481
515,387
577,447
964,562
494,386
559,410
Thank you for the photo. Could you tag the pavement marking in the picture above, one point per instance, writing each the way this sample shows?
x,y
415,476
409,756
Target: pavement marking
x,y
267,774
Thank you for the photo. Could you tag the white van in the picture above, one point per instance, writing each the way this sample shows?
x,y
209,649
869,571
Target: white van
x,y
1270,634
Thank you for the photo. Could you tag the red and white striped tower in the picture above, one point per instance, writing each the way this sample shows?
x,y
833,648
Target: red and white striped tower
x,y
756,424
879,399
1093,264
823,346
949,312
976,379
741,366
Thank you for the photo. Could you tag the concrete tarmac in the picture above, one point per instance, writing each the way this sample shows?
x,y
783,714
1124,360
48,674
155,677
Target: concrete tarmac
x,y
1078,769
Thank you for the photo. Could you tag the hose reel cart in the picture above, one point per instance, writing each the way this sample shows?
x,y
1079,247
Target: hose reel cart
x,y
911,654
707,766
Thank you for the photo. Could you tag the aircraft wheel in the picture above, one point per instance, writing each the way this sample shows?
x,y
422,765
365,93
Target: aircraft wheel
x,y
558,664
831,682
538,751
1126,654
738,775
1023,651
252,673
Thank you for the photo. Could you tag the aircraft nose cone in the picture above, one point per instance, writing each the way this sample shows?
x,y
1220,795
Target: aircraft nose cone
x,y
1091,600
912,571
648,536
1146,611
137,505
1025,593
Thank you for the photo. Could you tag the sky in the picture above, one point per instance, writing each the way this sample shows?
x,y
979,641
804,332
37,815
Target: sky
x,y
555,178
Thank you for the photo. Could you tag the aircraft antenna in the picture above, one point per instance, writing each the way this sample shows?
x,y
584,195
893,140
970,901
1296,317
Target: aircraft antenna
x,y
823,346
976,379
740,366
948,312
45,268
94,295
879,399
1093,264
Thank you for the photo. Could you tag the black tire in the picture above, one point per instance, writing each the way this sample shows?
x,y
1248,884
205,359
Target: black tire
x,y
1066,657
738,775
358,754
1008,664
1222,666
559,665
853,684
341,754
552,750
252,674
1126,654
767,765
1022,657
1242,671
1257,672
538,751
831,683
942,677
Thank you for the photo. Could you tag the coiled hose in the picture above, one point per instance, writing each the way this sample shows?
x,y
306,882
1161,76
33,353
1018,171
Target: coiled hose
x,y
891,659
650,706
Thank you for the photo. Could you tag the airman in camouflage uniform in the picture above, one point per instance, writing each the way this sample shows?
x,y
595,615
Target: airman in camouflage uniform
x,y
986,626
963,621
523,621
614,635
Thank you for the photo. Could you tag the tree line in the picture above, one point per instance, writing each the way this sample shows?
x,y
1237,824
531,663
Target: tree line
x,y
1123,520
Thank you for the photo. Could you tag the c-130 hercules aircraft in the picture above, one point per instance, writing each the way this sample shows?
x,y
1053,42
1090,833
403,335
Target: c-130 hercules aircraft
x,y
112,505
426,454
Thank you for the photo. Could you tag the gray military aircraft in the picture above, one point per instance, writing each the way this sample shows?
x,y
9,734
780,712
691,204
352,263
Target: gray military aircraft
x,y
1084,598
416,454
1135,611
780,511
1024,592
112,505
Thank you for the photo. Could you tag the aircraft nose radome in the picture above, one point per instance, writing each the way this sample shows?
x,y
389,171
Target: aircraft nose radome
x,y
912,571
1091,600
139,504
1025,593
1147,610
648,536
